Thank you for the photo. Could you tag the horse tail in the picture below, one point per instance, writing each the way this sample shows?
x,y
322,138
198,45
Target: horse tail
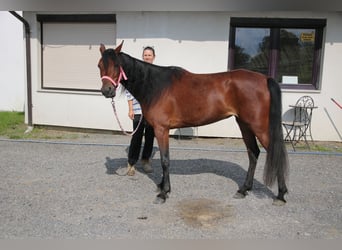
x,y
276,165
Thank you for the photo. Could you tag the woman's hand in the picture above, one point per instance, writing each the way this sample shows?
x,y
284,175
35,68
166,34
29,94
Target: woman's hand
x,y
130,109
131,114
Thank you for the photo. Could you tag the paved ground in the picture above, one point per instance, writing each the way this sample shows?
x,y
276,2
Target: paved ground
x,y
69,190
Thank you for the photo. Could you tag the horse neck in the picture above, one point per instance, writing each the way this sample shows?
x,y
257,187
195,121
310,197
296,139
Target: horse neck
x,y
139,75
134,66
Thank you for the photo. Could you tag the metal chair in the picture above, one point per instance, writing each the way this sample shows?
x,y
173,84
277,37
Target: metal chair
x,y
299,126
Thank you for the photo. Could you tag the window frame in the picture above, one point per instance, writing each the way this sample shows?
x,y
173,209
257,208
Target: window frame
x,y
69,18
275,24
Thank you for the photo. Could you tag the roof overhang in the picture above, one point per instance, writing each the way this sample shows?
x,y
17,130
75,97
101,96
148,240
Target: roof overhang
x,y
170,5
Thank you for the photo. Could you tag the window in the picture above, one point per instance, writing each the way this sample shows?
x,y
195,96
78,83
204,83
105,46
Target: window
x,y
289,50
70,50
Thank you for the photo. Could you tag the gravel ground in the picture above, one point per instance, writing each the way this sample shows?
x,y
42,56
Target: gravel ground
x,y
69,190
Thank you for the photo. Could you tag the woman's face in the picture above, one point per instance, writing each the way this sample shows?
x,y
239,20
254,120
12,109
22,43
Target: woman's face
x,y
148,56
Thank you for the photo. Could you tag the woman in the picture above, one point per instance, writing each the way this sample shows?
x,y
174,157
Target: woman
x,y
144,128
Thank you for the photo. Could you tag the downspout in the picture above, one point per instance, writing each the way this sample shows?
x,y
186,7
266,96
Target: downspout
x,y
28,69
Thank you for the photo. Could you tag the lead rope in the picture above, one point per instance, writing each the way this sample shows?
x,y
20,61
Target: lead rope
x,y
117,118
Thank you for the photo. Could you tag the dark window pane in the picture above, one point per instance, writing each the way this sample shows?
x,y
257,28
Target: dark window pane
x,y
252,49
296,56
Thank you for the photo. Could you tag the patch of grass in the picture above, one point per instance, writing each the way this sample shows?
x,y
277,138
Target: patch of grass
x,y
12,126
317,146
320,148
327,147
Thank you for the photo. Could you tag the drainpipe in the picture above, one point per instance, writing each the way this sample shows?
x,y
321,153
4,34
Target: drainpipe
x,y
28,69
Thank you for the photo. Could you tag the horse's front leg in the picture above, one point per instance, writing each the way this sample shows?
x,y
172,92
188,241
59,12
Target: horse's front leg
x,y
162,136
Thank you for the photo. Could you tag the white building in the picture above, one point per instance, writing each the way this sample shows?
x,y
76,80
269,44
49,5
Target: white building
x,y
12,64
65,52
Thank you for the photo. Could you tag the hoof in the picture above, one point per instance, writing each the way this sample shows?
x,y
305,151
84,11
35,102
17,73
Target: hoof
x,y
239,196
158,189
277,202
161,198
158,200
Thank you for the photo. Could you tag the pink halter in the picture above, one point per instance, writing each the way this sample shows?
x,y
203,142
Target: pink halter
x,y
121,75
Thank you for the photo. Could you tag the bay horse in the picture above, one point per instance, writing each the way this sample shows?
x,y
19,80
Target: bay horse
x,y
171,97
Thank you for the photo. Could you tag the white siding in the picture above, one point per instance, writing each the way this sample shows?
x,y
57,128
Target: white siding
x,y
12,63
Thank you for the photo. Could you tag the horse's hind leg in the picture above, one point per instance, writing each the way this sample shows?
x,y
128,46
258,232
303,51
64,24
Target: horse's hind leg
x,y
282,190
253,154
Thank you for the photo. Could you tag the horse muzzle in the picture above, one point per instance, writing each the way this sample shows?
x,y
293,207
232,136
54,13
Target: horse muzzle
x,y
108,90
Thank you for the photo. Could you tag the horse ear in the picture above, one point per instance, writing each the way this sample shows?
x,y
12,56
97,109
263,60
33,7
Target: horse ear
x,y
118,49
102,48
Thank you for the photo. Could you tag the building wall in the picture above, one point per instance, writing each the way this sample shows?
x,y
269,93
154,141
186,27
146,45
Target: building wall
x,y
12,63
199,43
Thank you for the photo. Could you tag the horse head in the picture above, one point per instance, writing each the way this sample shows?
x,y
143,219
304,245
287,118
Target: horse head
x,y
110,70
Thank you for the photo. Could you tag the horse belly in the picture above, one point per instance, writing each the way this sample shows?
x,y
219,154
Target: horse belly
x,y
199,114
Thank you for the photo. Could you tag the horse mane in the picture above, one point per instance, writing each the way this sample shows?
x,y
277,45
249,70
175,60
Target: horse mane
x,y
146,81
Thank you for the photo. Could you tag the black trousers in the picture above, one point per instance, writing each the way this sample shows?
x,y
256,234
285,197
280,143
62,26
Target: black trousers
x,y
136,141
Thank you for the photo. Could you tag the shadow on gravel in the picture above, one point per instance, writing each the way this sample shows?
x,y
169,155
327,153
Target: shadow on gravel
x,y
193,167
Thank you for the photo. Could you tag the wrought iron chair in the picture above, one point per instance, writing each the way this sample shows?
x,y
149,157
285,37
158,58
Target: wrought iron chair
x,y
299,126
